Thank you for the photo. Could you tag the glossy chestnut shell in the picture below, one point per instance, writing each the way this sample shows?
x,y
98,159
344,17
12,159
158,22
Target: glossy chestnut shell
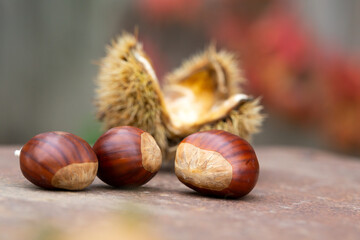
x,y
58,160
217,163
128,157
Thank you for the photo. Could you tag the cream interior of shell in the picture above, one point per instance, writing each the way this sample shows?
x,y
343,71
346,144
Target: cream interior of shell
x,y
202,168
197,99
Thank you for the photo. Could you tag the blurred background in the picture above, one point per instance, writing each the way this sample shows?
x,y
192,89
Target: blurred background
x,y
302,56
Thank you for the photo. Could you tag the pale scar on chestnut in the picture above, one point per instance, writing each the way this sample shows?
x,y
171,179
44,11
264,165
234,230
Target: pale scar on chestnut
x,y
75,176
202,168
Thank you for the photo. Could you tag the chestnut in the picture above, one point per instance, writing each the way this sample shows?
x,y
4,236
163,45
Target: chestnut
x,y
58,160
128,157
217,163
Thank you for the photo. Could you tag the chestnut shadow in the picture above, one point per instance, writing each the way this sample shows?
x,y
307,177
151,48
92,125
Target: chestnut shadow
x,y
97,187
40,189
247,198
140,189
91,188
104,186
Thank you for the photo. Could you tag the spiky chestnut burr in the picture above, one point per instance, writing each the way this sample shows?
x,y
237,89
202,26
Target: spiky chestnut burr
x,y
217,163
128,157
58,160
204,93
128,92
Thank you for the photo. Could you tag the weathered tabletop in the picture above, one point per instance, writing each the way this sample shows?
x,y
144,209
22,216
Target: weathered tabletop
x,y
301,194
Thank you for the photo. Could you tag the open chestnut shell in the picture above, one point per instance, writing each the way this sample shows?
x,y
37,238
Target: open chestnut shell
x,y
204,93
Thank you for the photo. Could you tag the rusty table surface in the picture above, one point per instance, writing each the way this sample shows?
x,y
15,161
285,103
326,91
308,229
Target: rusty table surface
x,y
301,194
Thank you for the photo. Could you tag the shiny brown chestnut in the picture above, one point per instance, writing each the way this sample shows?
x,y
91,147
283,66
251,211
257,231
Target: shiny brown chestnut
x,y
217,163
128,157
58,160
